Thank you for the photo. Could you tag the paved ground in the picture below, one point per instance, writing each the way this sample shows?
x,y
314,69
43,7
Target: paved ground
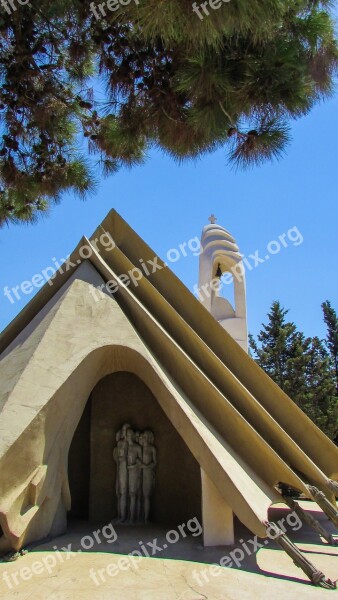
x,y
183,570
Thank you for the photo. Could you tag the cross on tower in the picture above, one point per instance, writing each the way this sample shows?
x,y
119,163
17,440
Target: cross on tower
x,y
212,219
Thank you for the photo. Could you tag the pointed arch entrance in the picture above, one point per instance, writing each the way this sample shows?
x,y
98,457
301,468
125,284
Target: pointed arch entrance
x,y
118,398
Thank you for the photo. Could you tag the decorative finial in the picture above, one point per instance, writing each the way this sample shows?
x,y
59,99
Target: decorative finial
x,y
212,219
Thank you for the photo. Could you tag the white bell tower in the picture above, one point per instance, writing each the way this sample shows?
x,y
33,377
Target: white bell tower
x,y
220,258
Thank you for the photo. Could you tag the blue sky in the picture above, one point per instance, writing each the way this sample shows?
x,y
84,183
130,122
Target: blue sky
x,y
168,204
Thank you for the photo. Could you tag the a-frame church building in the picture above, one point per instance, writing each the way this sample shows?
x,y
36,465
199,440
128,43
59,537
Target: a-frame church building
x,y
94,350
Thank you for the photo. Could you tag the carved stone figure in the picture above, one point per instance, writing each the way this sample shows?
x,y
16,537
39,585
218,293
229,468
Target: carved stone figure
x,y
148,470
134,458
117,483
120,456
139,492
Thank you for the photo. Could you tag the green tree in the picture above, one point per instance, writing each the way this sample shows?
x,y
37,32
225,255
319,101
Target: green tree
x,y
300,366
331,321
169,79
320,402
280,351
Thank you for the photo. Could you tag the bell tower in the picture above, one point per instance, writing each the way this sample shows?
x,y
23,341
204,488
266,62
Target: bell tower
x,y
221,267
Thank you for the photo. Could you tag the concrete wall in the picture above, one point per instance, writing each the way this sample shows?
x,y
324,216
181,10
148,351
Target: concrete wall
x,y
119,398
79,466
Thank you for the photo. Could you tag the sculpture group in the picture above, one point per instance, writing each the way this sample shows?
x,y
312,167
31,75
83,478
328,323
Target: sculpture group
x,y
135,458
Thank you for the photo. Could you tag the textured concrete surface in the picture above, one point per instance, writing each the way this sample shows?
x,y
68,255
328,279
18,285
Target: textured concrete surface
x,y
183,571
161,579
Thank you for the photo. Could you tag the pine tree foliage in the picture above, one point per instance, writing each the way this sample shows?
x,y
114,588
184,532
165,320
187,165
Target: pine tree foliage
x,y
331,321
167,79
320,402
300,366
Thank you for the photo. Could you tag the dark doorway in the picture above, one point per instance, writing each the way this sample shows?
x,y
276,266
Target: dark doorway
x,y
124,398
79,466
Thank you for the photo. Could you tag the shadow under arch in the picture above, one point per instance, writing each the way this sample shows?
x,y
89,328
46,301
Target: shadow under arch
x,y
118,398
70,404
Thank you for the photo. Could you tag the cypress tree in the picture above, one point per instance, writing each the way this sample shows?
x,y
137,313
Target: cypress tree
x,y
331,321
320,402
300,366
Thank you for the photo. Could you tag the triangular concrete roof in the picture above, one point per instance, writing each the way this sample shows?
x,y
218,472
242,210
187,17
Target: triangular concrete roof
x,y
246,434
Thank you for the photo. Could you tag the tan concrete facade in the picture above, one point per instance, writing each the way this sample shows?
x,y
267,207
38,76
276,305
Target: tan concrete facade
x,y
238,426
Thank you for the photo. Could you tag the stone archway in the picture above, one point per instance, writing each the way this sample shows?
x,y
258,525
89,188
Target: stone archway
x,y
118,398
